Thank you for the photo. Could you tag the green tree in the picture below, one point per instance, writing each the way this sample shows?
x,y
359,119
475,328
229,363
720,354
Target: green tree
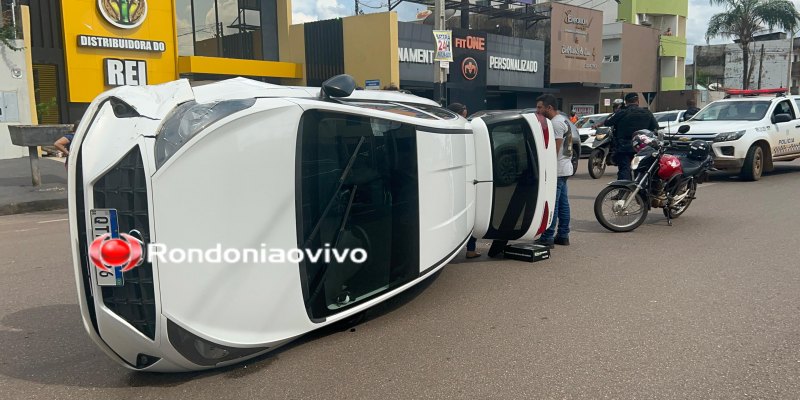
x,y
744,19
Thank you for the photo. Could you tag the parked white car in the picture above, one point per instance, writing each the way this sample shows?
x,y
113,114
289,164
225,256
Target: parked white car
x,y
587,128
747,135
668,119
242,165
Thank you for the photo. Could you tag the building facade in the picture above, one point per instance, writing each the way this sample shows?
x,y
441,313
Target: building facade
x,y
722,67
668,18
81,48
16,102
629,61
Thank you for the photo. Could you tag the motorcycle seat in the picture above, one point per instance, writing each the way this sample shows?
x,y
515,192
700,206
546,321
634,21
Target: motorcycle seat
x,y
691,167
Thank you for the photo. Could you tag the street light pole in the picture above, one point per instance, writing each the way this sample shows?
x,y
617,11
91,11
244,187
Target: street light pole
x,y
791,59
439,73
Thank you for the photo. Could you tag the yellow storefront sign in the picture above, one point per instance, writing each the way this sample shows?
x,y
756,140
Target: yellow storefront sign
x,y
111,43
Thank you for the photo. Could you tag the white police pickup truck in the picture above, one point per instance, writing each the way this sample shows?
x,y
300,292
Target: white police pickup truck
x,y
747,134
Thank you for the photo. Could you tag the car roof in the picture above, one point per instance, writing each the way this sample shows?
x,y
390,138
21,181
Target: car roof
x,y
595,115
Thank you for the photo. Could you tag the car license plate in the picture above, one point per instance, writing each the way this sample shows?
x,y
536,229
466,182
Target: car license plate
x,y
105,221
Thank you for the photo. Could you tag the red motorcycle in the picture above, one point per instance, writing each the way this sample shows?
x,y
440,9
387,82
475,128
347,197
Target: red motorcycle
x,y
661,181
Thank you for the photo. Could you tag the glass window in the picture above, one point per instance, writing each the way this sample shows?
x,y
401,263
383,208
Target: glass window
x,y
516,178
440,112
784,107
666,117
359,189
734,111
392,108
219,28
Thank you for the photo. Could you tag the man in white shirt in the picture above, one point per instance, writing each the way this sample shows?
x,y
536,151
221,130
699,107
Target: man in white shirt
x,y
547,106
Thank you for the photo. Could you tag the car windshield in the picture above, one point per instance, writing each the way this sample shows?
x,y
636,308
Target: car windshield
x,y
590,121
666,117
733,111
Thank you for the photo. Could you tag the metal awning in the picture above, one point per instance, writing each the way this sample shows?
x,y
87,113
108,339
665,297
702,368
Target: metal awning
x,y
493,9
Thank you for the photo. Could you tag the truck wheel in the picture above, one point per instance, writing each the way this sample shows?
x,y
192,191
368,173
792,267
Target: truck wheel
x,y
753,164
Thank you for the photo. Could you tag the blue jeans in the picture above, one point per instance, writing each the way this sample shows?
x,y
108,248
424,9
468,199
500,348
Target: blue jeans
x,y
560,213
623,161
471,243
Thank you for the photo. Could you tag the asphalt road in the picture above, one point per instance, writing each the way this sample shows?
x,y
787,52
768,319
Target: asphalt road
x,y
708,308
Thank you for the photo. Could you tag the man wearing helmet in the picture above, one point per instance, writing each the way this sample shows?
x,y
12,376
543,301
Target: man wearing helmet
x,y
617,105
625,122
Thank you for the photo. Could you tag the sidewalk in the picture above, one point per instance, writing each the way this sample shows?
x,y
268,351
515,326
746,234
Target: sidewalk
x,y
17,194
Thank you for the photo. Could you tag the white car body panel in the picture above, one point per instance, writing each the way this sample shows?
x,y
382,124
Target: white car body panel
x,y
217,189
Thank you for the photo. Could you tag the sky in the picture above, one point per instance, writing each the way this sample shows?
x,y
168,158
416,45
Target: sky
x,y
700,11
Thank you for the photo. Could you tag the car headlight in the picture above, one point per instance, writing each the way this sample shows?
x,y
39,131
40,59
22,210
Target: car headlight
x,y
187,120
729,136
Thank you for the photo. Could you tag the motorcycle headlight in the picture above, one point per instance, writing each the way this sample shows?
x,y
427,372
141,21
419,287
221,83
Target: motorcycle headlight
x,y
599,136
635,162
729,136
187,120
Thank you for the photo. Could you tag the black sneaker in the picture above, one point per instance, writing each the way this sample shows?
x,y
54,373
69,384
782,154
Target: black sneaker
x,y
547,243
561,241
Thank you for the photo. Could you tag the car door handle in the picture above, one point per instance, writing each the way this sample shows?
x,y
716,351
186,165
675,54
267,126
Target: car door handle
x,y
797,126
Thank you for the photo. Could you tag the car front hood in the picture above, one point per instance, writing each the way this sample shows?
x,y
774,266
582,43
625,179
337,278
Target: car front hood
x,y
711,127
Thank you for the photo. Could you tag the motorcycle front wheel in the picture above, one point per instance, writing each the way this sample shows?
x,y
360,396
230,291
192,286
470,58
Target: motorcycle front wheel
x,y
610,210
597,163
677,210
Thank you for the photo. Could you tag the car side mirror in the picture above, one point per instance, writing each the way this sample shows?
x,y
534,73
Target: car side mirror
x,y
339,86
781,118
684,129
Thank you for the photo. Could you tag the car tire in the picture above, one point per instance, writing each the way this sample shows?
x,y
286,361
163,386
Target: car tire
x,y
753,164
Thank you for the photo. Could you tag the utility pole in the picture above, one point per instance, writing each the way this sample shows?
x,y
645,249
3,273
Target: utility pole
x,y
694,68
791,59
357,10
439,72
761,66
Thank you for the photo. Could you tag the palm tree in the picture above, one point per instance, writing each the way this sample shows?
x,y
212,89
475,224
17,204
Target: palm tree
x,y
744,19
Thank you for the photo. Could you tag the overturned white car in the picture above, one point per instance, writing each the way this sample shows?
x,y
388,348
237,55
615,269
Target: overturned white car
x,y
198,176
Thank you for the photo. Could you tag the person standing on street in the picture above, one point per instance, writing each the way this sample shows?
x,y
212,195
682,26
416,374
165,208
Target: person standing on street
x,y
63,143
547,106
573,117
461,110
691,109
625,122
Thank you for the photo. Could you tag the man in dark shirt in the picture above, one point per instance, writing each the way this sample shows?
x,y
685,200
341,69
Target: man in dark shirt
x,y
625,122
691,109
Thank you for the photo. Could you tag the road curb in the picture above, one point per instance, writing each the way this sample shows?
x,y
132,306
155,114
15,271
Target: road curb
x,y
33,206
